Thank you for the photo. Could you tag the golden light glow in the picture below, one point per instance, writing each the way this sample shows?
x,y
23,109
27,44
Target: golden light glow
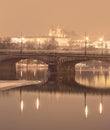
x,y
21,73
22,105
38,40
19,40
37,103
23,40
58,95
100,108
58,32
86,111
34,73
101,39
87,38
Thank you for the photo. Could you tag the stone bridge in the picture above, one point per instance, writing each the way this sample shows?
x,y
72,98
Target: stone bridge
x,y
54,59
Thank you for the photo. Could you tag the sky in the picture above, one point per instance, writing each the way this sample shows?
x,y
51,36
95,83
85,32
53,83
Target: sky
x,y
35,17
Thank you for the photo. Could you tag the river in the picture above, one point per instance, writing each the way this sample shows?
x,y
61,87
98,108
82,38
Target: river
x,y
70,103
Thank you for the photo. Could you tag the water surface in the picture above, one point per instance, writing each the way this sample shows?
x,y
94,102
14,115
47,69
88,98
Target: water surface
x,y
57,106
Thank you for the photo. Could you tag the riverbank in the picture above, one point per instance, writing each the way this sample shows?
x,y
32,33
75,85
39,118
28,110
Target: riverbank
x,y
9,84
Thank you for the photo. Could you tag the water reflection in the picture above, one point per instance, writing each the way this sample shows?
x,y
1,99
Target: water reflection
x,y
37,103
32,72
63,104
21,102
60,90
86,106
96,79
51,102
79,83
101,105
22,105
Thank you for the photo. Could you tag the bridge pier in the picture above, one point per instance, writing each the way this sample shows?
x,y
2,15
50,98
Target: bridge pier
x,y
7,71
66,68
58,72
66,72
52,68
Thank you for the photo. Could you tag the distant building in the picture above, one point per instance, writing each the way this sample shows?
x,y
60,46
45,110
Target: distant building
x,y
58,32
63,40
58,35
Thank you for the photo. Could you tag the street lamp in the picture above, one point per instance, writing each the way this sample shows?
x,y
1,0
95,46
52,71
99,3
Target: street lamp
x,y
22,40
21,43
86,40
101,42
38,41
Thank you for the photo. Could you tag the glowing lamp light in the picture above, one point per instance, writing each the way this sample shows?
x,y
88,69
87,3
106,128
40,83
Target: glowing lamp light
x,y
34,73
22,105
21,73
37,103
100,108
38,40
23,40
87,38
86,111
101,39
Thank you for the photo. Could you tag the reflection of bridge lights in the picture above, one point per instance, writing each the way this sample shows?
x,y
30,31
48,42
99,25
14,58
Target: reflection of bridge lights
x,y
58,95
80,70
37,103
101,105
86,111
100,108
21,73
22,105
34,73
86,107
93,69
101,69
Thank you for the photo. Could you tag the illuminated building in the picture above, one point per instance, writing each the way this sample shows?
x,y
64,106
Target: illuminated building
x,y
58,34
63,40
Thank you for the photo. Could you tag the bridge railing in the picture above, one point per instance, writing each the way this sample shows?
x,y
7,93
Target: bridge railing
x,y
95,51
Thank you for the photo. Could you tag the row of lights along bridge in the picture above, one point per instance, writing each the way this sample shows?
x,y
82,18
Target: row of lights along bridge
x,y
86,43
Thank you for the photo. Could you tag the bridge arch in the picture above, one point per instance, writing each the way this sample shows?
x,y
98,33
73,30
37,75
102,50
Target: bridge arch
x,y
8,67
52,58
